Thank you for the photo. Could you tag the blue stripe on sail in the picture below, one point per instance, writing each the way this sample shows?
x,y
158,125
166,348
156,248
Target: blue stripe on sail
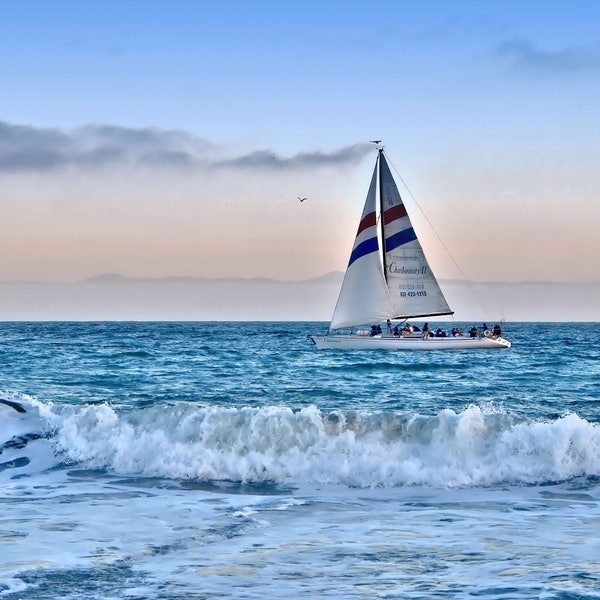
x,y
363,248
400,238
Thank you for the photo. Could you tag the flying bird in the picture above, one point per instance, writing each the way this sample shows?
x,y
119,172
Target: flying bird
x,y
301,199
375,141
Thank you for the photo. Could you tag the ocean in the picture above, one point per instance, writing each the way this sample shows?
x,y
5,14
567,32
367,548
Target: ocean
x,y
235,460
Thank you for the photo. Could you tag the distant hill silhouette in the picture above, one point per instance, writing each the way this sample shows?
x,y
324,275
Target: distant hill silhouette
x,y
110,278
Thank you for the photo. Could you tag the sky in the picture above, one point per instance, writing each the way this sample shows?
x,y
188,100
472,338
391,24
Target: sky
x,y
155,139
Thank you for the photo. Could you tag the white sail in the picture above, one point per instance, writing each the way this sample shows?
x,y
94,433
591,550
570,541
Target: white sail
x,y
413,289
364,296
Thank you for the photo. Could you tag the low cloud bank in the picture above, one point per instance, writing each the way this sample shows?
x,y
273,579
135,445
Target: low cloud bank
x,y
25,148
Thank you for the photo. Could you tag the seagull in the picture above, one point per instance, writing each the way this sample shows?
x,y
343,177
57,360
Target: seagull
x,y
375,141
301,199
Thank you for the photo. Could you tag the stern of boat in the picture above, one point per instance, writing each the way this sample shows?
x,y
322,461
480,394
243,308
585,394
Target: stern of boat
x,y
500,342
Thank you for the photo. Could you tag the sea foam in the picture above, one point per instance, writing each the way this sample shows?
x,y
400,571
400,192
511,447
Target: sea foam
x,y
478,446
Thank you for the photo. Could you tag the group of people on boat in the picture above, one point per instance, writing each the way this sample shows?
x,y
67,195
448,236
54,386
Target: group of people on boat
x,y
408,330
496,331
439,332
402,331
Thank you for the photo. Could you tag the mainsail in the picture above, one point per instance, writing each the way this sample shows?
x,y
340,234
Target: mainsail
x,y
401,286
413,288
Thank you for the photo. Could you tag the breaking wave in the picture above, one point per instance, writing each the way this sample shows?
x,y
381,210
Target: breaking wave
x,y
478,446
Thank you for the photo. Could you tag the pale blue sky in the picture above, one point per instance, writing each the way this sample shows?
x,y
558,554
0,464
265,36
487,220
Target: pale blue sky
x,y
172,138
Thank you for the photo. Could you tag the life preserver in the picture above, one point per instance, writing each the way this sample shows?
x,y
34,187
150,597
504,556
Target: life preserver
x,y
487,333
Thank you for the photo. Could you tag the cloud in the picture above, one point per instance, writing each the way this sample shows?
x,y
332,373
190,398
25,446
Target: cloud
x,y
25,148
523,54
268,159
28,148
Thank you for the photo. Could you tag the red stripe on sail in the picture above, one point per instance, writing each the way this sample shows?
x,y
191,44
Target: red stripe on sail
x,y
370,220
396,212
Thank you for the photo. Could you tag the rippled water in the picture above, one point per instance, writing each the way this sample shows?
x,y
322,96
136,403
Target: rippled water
x,y
209,460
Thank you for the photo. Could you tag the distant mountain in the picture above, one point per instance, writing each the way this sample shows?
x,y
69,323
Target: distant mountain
x,y
444,282
107,278
116,278
331,278
334,277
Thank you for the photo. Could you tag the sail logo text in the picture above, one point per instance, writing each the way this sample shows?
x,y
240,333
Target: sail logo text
x,y
401,269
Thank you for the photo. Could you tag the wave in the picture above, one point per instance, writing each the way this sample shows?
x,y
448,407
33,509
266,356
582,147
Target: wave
x,y
23,444
478,446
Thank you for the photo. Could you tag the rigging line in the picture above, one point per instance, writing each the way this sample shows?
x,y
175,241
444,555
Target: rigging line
x,y
469,283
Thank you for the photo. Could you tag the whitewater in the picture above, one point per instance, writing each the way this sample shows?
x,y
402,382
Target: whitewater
x,y
234,460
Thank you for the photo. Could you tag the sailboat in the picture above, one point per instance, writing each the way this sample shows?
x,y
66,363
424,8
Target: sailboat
x,y
389,279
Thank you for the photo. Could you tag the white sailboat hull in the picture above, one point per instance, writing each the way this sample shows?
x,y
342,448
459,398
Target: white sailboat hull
x,y
390,342
388,278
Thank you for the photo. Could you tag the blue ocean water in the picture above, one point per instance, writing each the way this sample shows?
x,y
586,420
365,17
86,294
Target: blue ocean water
x,y
235,460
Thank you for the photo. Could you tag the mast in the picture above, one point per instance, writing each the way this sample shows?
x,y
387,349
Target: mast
x,y
382,216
